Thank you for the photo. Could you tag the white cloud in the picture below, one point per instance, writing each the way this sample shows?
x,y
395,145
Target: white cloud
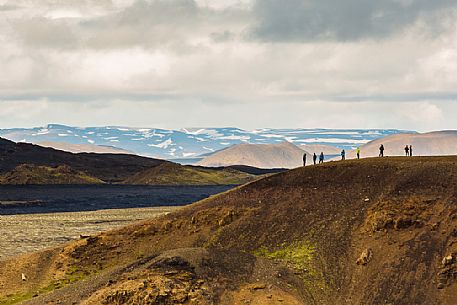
x,y
421,116
182,63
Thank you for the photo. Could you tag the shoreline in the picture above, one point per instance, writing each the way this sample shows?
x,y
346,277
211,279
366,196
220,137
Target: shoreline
x,y
25,233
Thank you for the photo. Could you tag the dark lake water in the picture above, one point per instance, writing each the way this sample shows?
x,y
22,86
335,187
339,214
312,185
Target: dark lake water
x,y
74,198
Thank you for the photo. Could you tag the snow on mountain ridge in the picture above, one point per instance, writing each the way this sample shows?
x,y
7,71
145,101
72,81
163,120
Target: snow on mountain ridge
x,y
186,142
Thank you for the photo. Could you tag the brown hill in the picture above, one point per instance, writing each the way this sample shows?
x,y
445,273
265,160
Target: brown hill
x,y
106,167
438,143
175,174
88,148
112,168
32,174
318,148
373,231
282,155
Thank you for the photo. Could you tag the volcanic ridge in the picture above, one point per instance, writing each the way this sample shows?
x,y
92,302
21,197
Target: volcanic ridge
x,y
372,231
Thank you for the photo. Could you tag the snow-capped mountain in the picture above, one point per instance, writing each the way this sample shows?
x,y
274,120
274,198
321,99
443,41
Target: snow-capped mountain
x,y
190,142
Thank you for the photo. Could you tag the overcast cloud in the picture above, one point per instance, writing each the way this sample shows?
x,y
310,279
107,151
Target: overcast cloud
x,y
348,20
250,64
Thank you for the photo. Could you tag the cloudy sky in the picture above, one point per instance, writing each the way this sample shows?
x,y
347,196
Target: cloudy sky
x,y
243,63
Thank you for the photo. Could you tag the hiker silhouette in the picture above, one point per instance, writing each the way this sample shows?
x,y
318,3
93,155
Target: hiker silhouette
x,y
381,150
314,158
343,155
407,150
410,150
358,152
304,159
321,158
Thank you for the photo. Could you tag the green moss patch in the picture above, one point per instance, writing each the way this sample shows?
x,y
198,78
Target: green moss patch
x,y
73,275
298,255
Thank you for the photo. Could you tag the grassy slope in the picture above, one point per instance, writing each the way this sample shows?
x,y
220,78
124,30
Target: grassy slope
x,y
175,174
290,238
32,174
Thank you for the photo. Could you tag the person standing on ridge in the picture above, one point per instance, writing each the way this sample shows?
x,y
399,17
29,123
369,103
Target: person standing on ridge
x,y
410,150
381,150
358,152
407,150
321,158
314,158
304,159
343,155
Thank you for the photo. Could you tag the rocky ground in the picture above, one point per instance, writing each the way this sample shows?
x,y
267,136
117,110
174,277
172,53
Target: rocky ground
x,y
31,232
359,232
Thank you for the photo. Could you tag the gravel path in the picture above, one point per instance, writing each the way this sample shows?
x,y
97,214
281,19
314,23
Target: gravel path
x,y
31,232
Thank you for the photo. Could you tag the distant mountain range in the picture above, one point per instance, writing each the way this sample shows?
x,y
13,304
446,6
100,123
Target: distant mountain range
x,y
437,143
318,148
281,155
84,148
188,143
288,155
24,163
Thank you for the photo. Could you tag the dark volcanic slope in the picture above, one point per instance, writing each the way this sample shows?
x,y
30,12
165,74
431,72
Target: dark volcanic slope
x,y
373,231
107,167
257,171
175,174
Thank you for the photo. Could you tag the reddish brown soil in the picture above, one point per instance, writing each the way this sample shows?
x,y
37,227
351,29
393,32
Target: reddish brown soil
x,y
382,231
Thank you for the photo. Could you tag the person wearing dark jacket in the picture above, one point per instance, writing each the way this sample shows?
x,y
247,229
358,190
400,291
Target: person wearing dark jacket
x,y
304,159
321,158
410,150
314,158
343,155
407,150
381,150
